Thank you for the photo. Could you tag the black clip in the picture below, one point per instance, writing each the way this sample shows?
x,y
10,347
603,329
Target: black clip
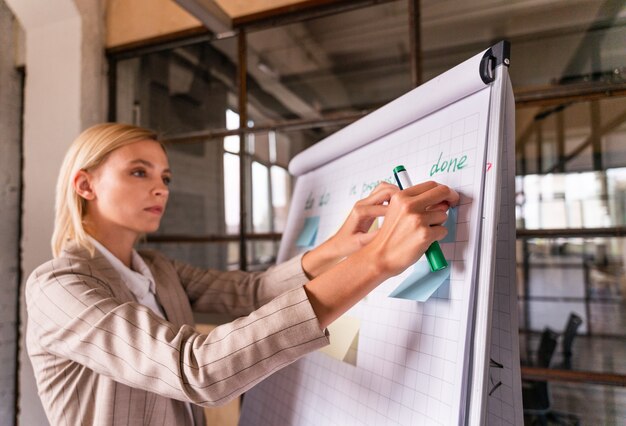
x,y
497,54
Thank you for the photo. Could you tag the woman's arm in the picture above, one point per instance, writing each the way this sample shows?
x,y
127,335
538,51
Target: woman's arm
x,y
237,293
74,316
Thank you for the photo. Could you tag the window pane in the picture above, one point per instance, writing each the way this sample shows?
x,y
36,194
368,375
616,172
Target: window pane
x,y
571,137
281,196
573,200
261,211
261,148
586,276
271,138
232,119
179,90
231,193
231,143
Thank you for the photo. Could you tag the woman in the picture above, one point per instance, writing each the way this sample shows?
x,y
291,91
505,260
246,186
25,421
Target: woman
x,y
110,330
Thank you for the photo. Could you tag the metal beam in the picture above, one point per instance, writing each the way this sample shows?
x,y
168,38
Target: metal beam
x,y
616,231
415,41
243,123
286,125
573,376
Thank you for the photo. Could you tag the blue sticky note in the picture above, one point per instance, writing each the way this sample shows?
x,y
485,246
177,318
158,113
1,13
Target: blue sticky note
x,y
309,232
422,283
451,225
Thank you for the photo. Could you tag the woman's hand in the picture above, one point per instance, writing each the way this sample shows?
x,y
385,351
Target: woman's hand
x,y
353,234
413,221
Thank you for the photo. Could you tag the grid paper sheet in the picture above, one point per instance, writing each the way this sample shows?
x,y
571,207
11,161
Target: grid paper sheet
x,y
410,355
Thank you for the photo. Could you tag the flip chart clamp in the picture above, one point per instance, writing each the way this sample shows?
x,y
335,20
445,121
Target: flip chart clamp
x,y
498,54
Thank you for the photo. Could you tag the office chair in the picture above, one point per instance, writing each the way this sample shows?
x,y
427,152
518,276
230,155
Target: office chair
x,y
536,395
547,345
571,328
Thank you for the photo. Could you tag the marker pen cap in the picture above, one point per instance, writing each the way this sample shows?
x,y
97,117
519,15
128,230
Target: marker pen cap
x,y
402,177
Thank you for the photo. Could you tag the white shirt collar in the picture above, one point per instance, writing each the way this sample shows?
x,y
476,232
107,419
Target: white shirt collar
x,y
139,279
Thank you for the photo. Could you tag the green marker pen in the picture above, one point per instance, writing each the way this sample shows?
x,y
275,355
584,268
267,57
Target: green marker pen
x,y
434,255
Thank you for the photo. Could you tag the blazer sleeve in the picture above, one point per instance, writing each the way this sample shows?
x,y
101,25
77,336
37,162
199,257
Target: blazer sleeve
x,y
237,292
74,315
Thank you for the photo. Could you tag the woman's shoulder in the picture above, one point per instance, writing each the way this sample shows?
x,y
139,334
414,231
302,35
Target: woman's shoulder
x,y
72,261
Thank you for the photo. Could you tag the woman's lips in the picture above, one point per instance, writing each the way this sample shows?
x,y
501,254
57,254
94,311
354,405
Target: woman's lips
x,y
155,209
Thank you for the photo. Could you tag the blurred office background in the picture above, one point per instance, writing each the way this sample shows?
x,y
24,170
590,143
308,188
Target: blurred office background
x,y
237,88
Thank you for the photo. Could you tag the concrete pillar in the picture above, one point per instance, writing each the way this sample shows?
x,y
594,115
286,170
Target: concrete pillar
x,y
63,95
10,188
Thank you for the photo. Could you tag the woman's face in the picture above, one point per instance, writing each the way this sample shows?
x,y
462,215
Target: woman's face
x,y
130,190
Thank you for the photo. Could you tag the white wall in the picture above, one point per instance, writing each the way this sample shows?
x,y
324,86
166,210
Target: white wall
x,y
63,95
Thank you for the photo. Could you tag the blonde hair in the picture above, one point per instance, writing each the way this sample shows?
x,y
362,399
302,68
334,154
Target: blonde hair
x,y
87,152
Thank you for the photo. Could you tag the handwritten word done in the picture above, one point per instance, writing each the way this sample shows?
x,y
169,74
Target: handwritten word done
x,y
447,166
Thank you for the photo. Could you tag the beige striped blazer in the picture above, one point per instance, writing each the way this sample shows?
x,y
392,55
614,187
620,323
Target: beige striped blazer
x,y
100,358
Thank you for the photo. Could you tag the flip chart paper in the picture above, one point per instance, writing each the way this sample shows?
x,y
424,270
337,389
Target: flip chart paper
x,y
383,348
458,130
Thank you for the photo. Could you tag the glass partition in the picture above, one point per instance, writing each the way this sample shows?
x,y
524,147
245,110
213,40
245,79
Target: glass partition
x,y
585,276
178,90
572,137
338,63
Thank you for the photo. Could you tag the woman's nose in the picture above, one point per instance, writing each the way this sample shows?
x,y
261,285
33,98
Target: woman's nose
x,y
161,188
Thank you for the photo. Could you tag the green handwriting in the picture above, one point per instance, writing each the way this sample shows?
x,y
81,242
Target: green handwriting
x,y
447,166
368,187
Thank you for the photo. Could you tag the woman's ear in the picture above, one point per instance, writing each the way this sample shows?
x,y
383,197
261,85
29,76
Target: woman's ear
x,y
83,185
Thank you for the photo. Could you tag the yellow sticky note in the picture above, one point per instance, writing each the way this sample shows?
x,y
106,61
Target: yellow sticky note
x,y
344,339
375,226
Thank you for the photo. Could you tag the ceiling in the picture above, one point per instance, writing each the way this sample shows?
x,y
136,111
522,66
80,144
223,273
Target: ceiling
x,y
360,59
241,8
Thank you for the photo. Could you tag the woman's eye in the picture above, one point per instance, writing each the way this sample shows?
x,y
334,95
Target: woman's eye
x,y
167,180
138,173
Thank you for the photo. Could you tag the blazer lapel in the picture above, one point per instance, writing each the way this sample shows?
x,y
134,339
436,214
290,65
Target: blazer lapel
x,y
170,293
